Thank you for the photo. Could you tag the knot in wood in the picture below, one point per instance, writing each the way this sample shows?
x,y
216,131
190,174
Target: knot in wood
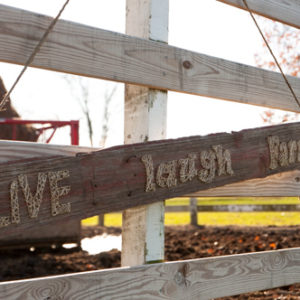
x,y
187,64
179,278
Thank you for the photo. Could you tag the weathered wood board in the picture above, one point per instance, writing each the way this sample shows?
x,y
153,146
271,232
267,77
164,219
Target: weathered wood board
x,y
60,188
278,185
204,278
15,150
46,234
145,118
287,11
87,51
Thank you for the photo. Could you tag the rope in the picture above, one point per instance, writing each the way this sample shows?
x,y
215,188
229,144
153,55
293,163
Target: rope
x,y
273,55
33,54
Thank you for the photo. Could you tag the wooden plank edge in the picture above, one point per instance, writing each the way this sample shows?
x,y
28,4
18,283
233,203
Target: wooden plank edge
x,y
44,235
15,150
204,278
123,58
291,16
286,184
132,175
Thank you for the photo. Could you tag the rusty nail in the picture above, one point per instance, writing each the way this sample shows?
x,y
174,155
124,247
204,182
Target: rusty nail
x,y
130,157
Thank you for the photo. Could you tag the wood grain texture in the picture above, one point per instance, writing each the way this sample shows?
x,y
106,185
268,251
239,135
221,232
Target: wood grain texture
x,y
287,11
115,179
68,231
145,119
13,151
279,185
191,279
235,208
44,235
87,51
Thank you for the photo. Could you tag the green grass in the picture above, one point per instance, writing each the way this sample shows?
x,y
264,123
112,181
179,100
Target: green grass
x,y
220,218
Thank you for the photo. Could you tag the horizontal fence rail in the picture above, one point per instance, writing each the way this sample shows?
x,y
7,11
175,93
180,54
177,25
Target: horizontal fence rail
x,y
191,279
279,185
43,234
287,11
285,184
87,51
126,176
235,208
14,151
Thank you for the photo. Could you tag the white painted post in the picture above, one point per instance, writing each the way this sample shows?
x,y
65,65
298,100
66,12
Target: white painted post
x,y
145,119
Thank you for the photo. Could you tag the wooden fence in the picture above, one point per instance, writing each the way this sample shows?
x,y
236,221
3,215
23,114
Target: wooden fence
x,y
193,208
191,279
124,177
235,208
43,234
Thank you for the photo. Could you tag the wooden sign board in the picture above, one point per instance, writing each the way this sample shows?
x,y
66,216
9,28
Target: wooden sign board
x,y
58,189
44,234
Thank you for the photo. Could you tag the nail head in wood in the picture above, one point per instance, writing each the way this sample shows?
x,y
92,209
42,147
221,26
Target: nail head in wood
x,y
187,64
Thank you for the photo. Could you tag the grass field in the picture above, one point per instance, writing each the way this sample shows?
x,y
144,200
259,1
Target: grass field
x,y
221,218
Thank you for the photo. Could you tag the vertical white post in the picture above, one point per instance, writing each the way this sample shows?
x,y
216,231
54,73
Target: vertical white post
x,y
145,120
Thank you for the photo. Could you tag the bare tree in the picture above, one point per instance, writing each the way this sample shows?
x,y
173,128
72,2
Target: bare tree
x,y
82,99
80,91
284,41
108,96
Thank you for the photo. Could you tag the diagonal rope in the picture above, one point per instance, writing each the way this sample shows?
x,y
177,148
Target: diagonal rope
x,y
33,54
272,53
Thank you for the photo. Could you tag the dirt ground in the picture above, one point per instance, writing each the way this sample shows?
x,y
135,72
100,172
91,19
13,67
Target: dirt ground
x,y
182,242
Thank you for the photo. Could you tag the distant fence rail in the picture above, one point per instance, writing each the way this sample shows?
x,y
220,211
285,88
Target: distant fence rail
x,y
194,208
234,208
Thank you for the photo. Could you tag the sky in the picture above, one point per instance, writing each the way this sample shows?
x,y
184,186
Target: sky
x,y
205,26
